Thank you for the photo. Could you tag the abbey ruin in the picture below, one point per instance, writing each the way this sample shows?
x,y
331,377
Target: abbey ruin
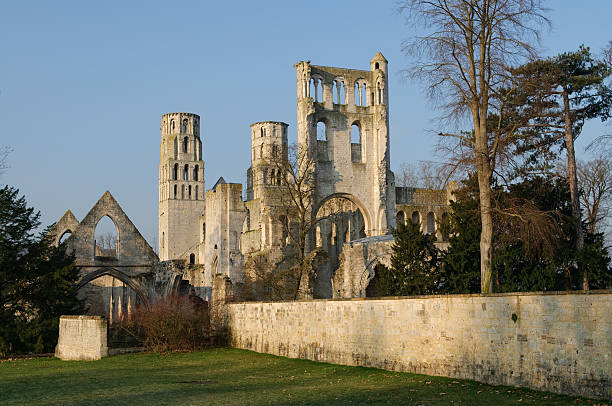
x,y
343,135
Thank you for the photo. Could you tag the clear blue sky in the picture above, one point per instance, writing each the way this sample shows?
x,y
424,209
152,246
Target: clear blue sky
x,y
83,86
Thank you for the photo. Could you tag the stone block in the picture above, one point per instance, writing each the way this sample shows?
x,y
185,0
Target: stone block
x,y
82,338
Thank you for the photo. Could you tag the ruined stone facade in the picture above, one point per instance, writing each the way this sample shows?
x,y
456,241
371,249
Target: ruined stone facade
x,y
343,125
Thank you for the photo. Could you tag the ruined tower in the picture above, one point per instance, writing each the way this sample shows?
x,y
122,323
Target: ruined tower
x,y
268,145
181,187
343,121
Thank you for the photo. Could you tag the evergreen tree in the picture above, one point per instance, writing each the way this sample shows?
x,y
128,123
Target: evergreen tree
x,y
519,264
460,265
560,94
37,280
414,264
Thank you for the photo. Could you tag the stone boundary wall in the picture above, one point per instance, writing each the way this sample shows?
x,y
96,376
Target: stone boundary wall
x,y
81,338
558,342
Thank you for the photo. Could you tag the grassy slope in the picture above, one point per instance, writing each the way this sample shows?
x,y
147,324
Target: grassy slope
x,y
237,377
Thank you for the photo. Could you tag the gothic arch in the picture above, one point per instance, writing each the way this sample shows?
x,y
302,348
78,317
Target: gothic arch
x,y
352,198
118,275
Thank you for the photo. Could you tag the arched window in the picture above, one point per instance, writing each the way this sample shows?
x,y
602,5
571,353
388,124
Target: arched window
x,y
284,229
364,99
175,172
431,223
355,143
185,123
196,192
261,131
355,134
186,172
416,218
336,91
196,169
321,131
357,94
192,258
65,236
185,144
189,194
175,147
278,177
183,192
376,65
175,191
172,125
401,218
445,226
274,150
106,237
203,232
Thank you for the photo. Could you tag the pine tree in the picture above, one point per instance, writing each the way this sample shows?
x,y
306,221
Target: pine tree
x,y
37,280
414,264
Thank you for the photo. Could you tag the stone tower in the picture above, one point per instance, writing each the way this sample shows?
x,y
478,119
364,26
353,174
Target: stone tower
x,y
181,187
268,145
343,121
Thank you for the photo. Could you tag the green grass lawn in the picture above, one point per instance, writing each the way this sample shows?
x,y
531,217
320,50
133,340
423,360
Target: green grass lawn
x,y
237,377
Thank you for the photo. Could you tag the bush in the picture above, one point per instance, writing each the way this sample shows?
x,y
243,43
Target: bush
x,y
172,324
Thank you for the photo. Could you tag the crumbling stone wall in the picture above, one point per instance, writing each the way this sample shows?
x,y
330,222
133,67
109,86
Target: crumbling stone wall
x,y
110,284
357,265
558,342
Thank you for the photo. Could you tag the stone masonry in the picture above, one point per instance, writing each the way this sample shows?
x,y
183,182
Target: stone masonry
x,y
82,338
558,342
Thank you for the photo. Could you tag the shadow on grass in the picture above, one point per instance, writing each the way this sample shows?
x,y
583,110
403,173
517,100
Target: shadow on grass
x,y
238,377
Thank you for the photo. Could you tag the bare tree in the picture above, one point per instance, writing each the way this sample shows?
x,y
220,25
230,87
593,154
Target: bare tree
x,y
4,152
424,174
463,54
106,245
595,180
287,275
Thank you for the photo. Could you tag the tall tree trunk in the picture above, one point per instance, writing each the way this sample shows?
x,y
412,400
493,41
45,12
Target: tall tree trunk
x,y
573,180
483,165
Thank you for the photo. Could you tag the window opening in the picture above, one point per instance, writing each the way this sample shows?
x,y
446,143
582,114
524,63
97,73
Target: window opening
x,y
106,238
321,131
431,223
400,217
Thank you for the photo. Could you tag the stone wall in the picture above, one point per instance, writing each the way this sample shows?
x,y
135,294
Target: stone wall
x,y
81,338
558,342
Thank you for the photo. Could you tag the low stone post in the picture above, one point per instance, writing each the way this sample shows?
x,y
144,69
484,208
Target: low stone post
x,y
82,338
